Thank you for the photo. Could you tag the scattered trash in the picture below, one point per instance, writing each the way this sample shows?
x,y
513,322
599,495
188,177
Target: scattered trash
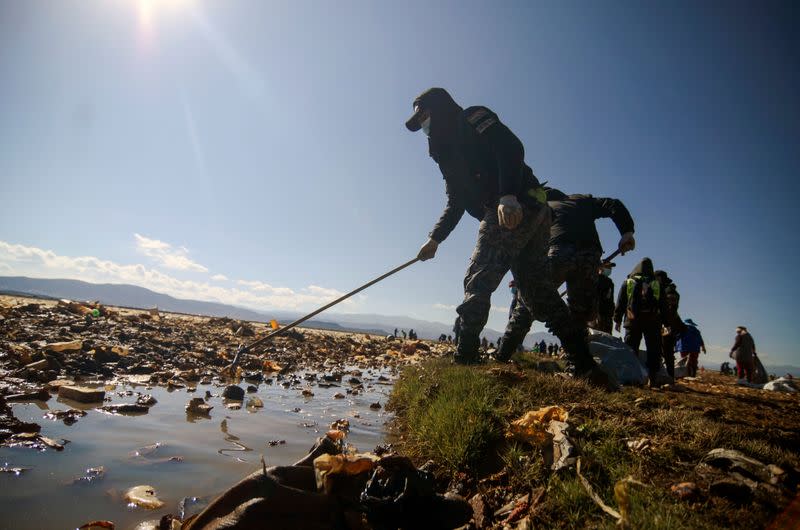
x,y
81,394
146,451
71,346
146,400
685,491
326,466
143,497
532,427
17,471
617,358
131,409
92,475
255,402
342,424
198,406
781,384
640,445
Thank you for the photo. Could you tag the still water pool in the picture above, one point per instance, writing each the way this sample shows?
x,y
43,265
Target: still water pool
x,y
213,453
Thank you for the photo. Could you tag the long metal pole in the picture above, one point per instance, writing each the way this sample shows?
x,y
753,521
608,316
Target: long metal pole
x,y
287,327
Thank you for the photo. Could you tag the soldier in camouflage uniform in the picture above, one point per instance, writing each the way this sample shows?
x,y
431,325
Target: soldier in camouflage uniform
x,y
574,257
485,174
672,323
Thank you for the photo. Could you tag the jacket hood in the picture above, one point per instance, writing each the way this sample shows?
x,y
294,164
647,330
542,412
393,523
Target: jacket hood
x,y
644,267
445,118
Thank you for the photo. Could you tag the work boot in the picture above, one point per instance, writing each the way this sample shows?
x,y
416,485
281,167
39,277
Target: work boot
x,y
467,350
586,367
598,377
507,348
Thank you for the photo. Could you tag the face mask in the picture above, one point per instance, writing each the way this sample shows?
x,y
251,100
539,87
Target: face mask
x,y
426,126
606,272
513,290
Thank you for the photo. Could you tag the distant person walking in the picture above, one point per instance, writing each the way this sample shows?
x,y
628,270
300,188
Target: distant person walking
x,y
605,300
743,352
690,344
642,305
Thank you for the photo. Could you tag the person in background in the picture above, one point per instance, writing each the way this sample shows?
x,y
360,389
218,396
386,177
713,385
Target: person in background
x,y
605,299
743,352
642,305
690,344
672,324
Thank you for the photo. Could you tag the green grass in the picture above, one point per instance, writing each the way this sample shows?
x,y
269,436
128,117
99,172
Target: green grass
x,y
457,416
448,412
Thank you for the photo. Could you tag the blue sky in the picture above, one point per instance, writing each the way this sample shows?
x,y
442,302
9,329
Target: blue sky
x,y
254,152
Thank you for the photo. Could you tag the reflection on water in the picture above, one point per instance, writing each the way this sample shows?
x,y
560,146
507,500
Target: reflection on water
x,y
233,439
187,459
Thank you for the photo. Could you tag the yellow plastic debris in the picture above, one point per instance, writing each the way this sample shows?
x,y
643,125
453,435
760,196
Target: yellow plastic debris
x,y
271,366
327,465
532,427
273,324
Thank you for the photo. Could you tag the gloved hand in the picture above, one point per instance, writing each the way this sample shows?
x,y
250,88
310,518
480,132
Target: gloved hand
x,y
509,212
428,250
617,326
626,243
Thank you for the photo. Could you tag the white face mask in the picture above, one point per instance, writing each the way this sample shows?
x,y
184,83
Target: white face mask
x,y
426,126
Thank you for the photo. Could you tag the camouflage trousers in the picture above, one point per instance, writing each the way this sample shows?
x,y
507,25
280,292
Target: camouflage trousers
x,y
579,270
672,327
523,250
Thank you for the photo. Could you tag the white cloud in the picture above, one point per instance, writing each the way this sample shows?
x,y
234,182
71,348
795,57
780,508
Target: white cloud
x,y
38,263
165,255
219,278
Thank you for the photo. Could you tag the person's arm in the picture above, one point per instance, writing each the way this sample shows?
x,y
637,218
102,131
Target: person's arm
x,y
736,344
702,343
450,217
613,208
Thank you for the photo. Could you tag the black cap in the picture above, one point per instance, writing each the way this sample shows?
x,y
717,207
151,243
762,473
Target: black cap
x,y
426,101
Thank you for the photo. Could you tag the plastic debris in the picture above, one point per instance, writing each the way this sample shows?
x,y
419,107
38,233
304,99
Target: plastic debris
x,y
532,427
327,465
81,394
144,497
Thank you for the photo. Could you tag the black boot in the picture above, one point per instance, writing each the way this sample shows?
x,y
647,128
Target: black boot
x,y
467,350
508,345
585,366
